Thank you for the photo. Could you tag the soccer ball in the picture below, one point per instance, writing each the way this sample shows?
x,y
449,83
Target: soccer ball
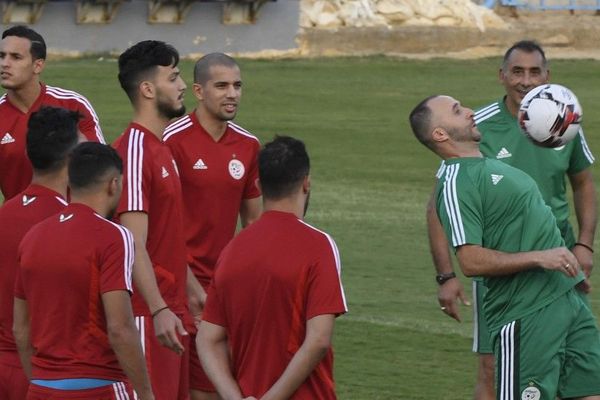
x,y
550,115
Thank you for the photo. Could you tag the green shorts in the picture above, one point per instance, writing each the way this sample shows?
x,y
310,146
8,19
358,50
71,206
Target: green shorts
x,y
553,352
481,334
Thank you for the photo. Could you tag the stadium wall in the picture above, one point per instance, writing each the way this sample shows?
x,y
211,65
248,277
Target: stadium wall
x,y
201,32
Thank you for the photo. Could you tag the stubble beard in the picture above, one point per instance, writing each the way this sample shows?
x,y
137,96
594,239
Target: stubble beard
x,y
168,111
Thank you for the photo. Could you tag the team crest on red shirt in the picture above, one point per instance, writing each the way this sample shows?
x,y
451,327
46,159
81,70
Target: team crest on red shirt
x,y
236,169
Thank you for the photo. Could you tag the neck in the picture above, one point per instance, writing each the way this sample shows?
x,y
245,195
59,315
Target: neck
x,y
462,150
293,205
93,201
23,98
512,108
215,127
57,181
152,121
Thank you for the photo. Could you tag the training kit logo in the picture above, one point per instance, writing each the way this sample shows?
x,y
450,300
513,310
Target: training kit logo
x,y
7,138
165,173
200,164
496,179
531,393
63,217
28,200
236,169
503,153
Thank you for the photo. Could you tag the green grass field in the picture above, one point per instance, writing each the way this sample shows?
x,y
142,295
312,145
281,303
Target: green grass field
x,y
371,180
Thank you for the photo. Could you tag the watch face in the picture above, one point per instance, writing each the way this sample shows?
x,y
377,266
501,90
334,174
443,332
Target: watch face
x,y
441,278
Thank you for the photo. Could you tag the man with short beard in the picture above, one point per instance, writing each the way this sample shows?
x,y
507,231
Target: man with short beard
x,y
217,162
151,208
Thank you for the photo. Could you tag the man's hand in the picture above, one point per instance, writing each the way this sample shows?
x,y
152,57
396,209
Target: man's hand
x,y
196,296
585,258
167,327
450,293
559,259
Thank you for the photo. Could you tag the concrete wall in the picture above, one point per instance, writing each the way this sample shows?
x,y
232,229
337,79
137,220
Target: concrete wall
x,y
202,31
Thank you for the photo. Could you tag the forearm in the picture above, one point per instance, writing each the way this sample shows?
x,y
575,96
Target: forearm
x,y
145,279
584,199
125,342
438,243
300,367
21,335
214,356
196,294
479,261
319,331
20,331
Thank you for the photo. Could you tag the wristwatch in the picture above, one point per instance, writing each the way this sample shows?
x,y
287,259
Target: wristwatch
x,y
442,278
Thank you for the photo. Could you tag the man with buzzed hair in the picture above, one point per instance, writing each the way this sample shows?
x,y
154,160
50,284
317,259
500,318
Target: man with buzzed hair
x,y
523,68
217,163
542,331
51,135
267,328
74,325
22,61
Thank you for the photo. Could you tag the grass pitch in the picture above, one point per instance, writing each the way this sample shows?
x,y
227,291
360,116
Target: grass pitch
x,y
371,181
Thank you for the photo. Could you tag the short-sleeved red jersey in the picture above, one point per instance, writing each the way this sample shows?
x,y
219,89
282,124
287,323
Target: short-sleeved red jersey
x,y
17,216
270,280
151,185
215,178
15,167
66,263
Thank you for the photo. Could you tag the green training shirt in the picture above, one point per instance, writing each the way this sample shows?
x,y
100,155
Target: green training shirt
x,y
486,202
503,140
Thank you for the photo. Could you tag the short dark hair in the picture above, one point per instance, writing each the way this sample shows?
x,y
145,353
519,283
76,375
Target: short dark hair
x,y
282,165
528,46
203,65
89,164
51,135
420,121
38,45
139,62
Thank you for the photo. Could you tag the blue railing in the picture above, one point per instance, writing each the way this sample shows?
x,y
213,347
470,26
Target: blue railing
x,y
548,4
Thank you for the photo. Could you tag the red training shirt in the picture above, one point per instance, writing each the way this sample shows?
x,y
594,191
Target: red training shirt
x,y
15,167
270,279
215,178
17,216
151,185
66,263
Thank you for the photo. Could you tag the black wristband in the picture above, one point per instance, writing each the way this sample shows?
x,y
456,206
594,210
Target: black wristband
x,y
443,278
155,313
584,245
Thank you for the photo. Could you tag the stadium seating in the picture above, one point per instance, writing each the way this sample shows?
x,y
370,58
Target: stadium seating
x,y
22,11
159,11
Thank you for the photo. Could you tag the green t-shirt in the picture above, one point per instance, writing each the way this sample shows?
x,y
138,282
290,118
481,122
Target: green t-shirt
x,y
486,202
503,140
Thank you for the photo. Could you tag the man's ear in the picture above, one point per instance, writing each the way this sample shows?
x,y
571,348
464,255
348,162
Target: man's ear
x,y
439,135
147,89
258,185
198,91
306,184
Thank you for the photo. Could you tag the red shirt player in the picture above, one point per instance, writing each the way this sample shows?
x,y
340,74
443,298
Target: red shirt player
x,y
22,58
44,197
217,163
275,294
73,320
151,208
